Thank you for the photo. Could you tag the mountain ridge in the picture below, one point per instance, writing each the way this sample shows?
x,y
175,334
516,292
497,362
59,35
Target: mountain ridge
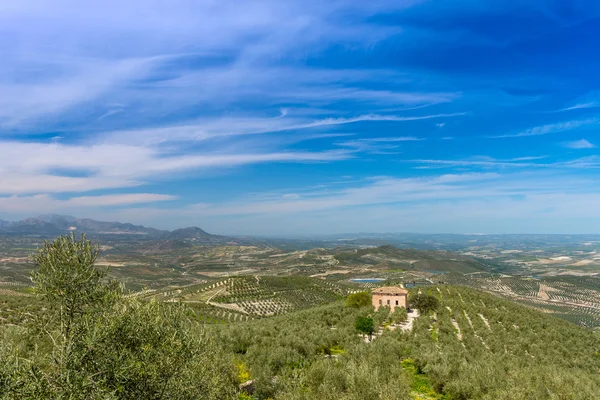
x,y
55,224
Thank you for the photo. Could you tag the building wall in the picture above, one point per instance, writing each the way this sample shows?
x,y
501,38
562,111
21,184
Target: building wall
x,y
382,300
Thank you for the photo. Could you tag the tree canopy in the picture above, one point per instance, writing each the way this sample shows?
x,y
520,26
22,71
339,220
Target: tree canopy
x,y
358,300
365,325
423,302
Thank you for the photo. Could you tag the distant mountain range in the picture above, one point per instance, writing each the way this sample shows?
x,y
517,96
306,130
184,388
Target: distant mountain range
x,y
54,225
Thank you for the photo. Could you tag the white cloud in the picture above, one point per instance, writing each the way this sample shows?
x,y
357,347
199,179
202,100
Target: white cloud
x,y
117,199
485,202
519,162
44,203
580,106
210,128
81,80
28,167
579,144
551,128
56,58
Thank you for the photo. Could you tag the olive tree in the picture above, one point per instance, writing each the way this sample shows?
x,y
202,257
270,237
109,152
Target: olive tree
x,y
108,345
424,302
358,300
71,287
365,325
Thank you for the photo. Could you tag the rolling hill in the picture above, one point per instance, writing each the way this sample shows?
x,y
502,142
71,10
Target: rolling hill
x,y
390,257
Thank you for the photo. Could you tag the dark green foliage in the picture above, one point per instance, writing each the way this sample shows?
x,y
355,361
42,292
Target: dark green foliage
x,y
423,302
358,300
365,325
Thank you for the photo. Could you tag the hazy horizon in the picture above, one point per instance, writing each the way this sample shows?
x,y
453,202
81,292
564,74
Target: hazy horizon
x,y
296,118
320,234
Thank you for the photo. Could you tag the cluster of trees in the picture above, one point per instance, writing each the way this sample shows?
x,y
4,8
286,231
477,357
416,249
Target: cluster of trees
x,y
95,342
484,347
318,354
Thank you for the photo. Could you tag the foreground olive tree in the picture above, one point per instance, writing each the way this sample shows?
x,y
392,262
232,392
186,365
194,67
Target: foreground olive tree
x,y
98,343
73,291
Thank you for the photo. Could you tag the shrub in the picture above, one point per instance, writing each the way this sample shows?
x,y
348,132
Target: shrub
x,y
358,300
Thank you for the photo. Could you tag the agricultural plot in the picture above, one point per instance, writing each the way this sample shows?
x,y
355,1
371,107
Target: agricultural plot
x,y
268,295
499,328
574,298
241,298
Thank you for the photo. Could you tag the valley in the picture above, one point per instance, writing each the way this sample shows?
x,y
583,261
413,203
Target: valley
x,y
273,318
555,274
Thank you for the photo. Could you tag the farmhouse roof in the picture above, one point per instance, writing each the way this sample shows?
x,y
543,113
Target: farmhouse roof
x,y
390,290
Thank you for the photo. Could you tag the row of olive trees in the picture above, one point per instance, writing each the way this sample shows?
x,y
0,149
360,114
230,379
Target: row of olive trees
x,y
505,350
94,342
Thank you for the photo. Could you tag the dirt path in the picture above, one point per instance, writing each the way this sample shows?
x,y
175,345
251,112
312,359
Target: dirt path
x,y
408,325
214,295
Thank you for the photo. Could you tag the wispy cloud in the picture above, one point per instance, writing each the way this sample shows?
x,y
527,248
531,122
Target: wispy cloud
x,y
42,203
551,128
591,162
30,167
79,81
579,144
414,195
589,100
156,65
209,128
579,106
382,146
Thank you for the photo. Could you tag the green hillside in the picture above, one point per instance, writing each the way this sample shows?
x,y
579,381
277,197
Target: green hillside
x,y
80,335
475,346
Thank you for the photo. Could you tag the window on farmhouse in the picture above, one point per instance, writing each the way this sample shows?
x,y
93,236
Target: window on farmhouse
x,y
396,302
380,302
388,302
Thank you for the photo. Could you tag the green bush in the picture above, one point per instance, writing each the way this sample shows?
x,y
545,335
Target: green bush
x,y
365,325
358,300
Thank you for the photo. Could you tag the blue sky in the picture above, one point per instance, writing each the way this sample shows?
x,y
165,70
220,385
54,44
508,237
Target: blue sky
x,y
299,117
